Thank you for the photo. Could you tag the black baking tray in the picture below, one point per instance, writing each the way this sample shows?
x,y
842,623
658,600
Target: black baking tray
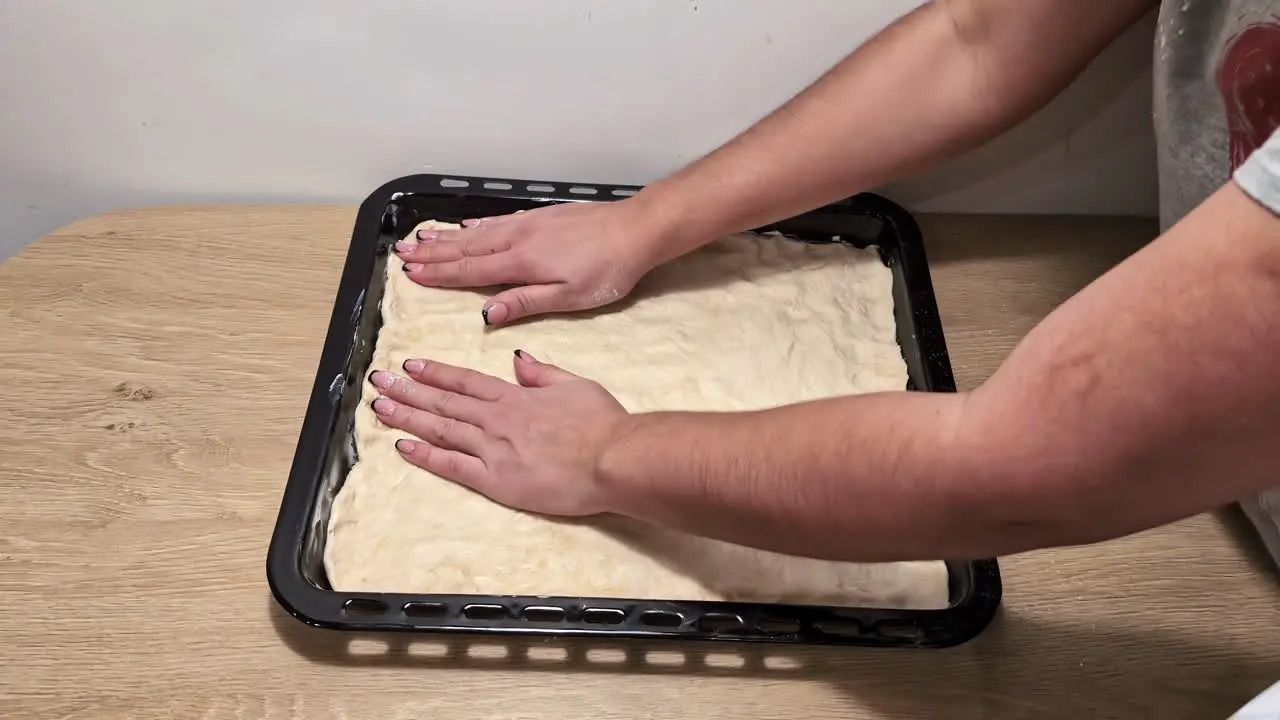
x,y
324,453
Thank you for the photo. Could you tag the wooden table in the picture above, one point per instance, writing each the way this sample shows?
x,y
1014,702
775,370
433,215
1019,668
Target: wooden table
x,y
156,365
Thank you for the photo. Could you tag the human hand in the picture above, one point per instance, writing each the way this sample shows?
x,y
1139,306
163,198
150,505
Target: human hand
x,y
560,258
534,446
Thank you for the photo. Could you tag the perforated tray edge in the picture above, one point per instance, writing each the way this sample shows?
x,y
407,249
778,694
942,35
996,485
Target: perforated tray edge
x,y
971,612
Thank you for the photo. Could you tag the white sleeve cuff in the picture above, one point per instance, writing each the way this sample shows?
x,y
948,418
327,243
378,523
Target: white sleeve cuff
x,y
1259,176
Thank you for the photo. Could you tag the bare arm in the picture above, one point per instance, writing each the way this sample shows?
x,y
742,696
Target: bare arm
x,y
943,79
1150,396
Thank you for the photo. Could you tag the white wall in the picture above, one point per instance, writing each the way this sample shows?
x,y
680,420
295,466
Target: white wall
x,y
113,103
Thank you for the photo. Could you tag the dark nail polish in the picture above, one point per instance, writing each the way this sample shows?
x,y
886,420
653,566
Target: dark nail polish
x,y
520,354
369,377
484,313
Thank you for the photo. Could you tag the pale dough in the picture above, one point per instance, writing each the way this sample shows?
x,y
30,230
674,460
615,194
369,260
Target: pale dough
x,y
747,322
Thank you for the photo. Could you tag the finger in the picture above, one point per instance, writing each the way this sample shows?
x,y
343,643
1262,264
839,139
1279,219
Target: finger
x,y
452,250
462,381
433,234
466,470
516,303
486,221
439,431
444,403
466,272
533,373
436,234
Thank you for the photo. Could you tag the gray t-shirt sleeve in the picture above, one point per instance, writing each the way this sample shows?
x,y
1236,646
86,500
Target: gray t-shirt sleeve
x,y
1259,176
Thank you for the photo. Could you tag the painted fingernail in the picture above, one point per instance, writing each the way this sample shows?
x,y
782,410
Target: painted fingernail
x,y
404,446
494,314
427,235
404,246
525,356
412,267
381,380
383,406
414,366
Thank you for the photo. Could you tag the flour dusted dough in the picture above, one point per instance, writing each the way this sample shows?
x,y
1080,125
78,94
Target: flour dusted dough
x,y
747,322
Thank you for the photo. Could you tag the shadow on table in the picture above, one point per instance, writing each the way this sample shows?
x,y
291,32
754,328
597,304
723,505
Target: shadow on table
x,y
1242,531
1019,668
1085,245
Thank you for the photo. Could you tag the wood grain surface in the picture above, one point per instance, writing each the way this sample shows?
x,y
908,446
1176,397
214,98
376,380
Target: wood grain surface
x,y
156,365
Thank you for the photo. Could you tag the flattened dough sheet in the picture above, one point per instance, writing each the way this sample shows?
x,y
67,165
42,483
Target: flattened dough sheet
x,y
745,323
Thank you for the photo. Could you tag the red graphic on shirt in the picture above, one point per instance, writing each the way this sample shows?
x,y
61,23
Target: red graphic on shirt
x,y
1249,80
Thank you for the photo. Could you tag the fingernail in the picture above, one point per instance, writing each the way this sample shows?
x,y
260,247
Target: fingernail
x,y
383,406
412,267
404,246
494,314
426,235
525,356
381,380
413,366
404,446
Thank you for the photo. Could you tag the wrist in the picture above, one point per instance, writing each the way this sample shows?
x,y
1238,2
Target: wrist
x,y
667,222
615,465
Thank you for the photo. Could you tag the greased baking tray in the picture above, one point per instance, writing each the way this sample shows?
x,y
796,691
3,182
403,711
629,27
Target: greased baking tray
x,y
325,450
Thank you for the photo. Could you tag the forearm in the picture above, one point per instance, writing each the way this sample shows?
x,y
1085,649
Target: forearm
x,y
1146,398
906,98
939,81
873,477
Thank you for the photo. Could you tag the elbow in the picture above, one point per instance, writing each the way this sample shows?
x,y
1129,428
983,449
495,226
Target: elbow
x,y
1019,491
1052,525
1018,54
1002,91
1035,505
